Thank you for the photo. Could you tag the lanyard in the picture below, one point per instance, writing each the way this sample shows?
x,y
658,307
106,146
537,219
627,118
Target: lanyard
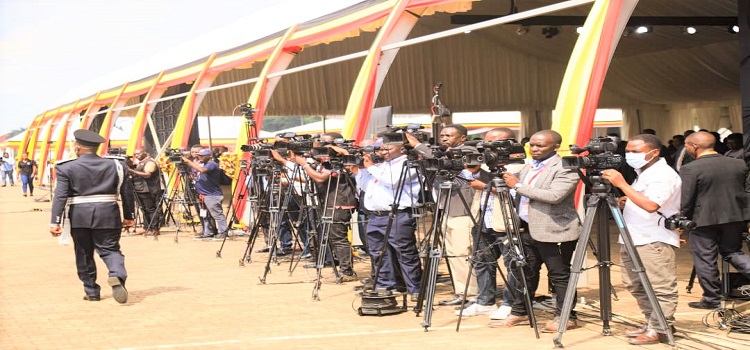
x,y
537,173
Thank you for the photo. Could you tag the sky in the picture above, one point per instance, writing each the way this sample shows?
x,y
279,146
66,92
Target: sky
x,y
54,52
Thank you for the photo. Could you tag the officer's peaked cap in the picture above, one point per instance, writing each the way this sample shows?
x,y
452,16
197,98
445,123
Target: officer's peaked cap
x,y
88,138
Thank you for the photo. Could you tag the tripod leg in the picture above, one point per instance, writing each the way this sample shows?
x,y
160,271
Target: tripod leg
x,y
575,269
429,293
630,247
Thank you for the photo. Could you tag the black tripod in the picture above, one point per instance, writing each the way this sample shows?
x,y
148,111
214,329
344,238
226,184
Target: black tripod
x,y
436,245
259,204
327,220
240,191
383,302
601,198
512,222
182,195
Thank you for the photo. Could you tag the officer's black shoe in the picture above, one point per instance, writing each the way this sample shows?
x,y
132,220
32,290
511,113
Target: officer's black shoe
x,y
264,250
118,290
91,298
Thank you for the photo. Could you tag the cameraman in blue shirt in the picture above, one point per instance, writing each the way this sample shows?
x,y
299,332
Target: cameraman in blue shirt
x,y
208,185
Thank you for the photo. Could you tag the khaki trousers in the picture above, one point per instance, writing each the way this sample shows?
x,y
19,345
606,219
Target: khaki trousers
x,y
458,249
659,261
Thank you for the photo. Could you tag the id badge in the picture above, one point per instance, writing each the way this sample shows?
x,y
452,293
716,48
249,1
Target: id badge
x,y
203,213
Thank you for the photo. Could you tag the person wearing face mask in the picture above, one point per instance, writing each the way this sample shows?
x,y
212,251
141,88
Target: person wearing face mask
x,y
654,196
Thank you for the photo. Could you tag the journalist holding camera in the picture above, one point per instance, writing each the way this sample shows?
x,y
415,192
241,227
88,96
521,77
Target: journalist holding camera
x,y
339,197
458,220
382,184
492,238
545,193
208,185
648,203
714,196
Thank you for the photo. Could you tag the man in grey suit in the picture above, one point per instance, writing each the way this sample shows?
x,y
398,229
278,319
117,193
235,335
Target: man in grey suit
x,y
714,196
89,185
545,193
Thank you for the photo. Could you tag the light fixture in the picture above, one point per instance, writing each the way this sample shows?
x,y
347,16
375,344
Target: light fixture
x,y
579,30
643,30
522,30
734,29
690,30
550,32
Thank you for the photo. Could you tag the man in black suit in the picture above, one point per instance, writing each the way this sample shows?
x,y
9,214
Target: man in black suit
x,y
89,186
714,197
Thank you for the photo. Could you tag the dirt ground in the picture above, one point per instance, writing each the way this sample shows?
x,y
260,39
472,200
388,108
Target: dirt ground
x,y
182,296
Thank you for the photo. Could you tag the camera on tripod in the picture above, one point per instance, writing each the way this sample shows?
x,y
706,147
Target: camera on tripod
x,y
356,156
323,152
395,135
256,147
117,152
600,156
452,160
247,110
678,221
175,155
496,154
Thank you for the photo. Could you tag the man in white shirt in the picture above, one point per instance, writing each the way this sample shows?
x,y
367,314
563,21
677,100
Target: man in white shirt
x,y
653,197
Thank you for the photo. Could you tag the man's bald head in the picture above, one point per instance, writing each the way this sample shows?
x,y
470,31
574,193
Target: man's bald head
x,y
701,140
699,143
498,134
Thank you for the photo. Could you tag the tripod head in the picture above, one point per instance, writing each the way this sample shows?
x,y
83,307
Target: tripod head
x,y
594,181
182,168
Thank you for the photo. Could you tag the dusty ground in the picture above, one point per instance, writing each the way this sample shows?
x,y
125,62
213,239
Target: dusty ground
x,y
182,296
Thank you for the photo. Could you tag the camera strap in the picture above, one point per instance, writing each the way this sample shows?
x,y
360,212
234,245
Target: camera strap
x,y
663,217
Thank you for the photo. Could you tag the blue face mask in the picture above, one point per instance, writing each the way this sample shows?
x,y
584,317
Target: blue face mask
x,y
637,160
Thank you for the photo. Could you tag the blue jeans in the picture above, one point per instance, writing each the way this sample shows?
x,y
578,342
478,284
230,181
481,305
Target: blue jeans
x,y
27,181
489,250
8,174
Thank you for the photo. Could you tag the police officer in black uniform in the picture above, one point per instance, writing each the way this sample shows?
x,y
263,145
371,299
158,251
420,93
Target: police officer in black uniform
x,y
89,185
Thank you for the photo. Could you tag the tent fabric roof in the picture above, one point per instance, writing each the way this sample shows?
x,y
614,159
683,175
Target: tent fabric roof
x,y
496,69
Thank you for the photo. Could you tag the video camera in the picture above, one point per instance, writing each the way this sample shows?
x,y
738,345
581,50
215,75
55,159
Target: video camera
x,y
600,156
323,152
496,154
299,147
247,110
356,156
453,160
678,221
256,147
395,135
175,155
117,152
